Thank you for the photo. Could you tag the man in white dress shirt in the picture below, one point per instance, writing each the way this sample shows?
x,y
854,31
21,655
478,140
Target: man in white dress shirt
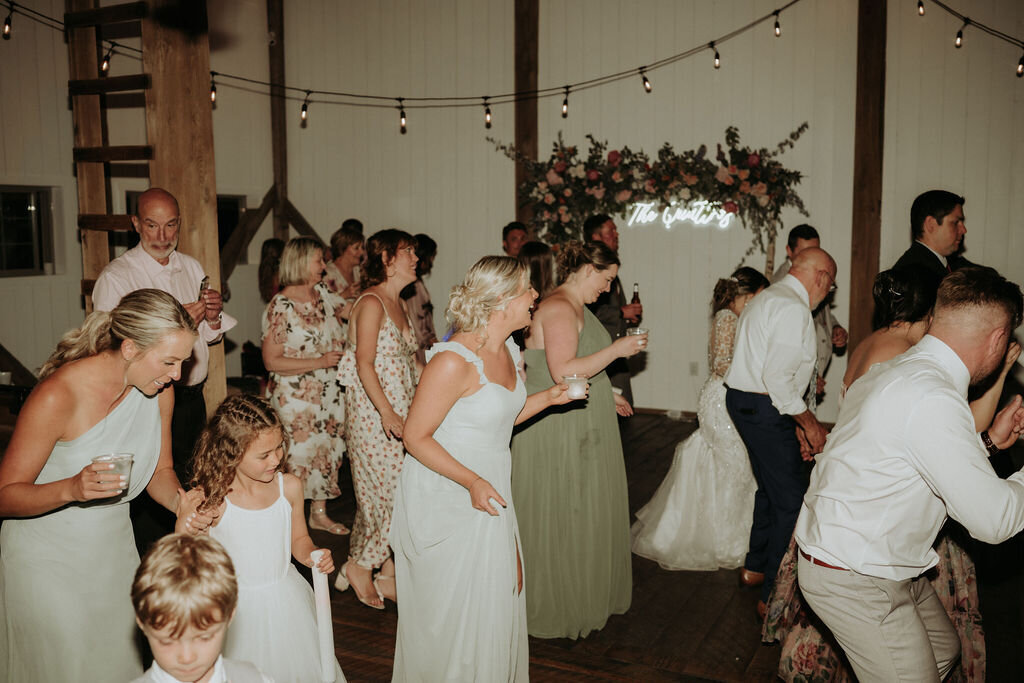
x,y
155,263
903,456
772,369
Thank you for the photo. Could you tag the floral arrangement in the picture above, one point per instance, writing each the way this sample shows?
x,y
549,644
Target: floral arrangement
x,y
751,183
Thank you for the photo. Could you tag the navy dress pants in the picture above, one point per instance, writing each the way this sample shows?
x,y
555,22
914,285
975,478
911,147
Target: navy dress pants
x,y
781,475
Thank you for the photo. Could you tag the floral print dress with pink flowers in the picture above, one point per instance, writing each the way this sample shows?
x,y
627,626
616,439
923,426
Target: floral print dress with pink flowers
x,y
310,404
376,458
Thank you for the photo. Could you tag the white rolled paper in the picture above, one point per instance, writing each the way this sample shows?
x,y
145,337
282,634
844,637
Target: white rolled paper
x,y
324,626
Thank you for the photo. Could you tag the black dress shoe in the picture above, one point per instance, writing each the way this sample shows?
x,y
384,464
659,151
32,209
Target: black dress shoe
x,y
751,578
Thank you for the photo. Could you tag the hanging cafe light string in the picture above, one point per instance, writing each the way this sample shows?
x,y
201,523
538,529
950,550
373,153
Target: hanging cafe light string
x,y
968,22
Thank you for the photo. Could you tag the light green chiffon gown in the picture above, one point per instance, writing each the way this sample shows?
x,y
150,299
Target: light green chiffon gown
x,y
569,483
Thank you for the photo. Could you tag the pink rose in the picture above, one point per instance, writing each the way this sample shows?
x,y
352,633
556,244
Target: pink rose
x,y
742,174
689,179
560,167
759,190
616,177
565,217
593,175
567,192
649,186
753,160
732,169
623,195
553,178
730,207
614,158
596,192
549,198
722,176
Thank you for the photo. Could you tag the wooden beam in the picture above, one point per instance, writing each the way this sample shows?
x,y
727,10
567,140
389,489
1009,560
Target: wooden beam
x,y
243,233
278,123
106,222
179,124
97,86
869,136
527,19
112,153
81,16
298,221
83,64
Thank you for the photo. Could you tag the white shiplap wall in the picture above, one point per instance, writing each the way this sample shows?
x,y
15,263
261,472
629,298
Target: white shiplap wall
x,y
953,119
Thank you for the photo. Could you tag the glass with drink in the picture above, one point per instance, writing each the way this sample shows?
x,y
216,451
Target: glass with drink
x,y
577,386
122,463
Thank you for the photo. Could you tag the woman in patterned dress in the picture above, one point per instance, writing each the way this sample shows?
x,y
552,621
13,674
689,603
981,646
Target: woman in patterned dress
x,y
341,275
302,343
379,371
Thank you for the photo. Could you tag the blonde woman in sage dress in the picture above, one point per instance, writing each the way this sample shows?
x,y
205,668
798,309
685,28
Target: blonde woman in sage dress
x,y
67,553
568,475
456,541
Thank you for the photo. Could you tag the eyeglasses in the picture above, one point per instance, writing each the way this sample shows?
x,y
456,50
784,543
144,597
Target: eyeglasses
x,y
831,279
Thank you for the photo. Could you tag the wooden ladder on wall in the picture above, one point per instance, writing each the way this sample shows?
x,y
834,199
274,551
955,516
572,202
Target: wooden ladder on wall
x,y
179,148
87,24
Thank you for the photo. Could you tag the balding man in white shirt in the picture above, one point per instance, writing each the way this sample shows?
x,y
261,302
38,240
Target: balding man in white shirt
x,y
771,372
903,456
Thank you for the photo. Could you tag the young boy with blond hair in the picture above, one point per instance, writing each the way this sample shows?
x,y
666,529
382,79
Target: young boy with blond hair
x,y
184,595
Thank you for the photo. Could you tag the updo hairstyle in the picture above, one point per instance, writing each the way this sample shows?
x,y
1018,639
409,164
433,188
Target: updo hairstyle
x,y
144,316
903,295
487,287
381,249
745,280
574,255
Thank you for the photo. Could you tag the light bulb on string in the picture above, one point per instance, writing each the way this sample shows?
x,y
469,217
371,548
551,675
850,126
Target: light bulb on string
x,y
718,58
565,104
105,65
213,88
1020,67
959,42
7,23
487,113
647,82
920,8
778,28
401,116
304,114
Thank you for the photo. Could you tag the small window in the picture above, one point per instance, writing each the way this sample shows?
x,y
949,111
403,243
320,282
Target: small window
x,y
26,231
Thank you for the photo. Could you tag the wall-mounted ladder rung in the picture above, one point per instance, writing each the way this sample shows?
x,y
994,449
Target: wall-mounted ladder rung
x,y
105,222
113,153
99,86
114,14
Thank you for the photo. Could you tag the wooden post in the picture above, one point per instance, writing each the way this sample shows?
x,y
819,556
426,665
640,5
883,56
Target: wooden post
x,y
527,18
278,131
88,124
179,125
867,164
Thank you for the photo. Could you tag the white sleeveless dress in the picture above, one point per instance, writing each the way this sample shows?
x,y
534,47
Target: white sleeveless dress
x,y
275,621
460,615
66,576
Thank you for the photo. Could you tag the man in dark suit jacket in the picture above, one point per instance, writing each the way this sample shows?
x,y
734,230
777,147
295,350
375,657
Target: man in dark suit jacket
x,y
937,228
612,308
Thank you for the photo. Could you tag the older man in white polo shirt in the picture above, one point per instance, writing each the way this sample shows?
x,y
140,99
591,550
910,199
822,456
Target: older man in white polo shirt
x,y
903,456
772,370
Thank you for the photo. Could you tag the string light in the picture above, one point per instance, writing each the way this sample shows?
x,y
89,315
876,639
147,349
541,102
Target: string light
x,y
401,115
487,114
7,23
213,87
778,29
105,66
305,107
718,58
1020,67
565,104
959,42
647,82
920,8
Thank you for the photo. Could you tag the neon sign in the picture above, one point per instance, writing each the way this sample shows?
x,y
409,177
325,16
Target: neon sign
x,y
700,213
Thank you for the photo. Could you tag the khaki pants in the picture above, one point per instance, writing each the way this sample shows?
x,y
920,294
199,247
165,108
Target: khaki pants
x,y
890,630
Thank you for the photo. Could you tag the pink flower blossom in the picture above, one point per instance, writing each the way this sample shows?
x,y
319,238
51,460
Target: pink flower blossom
x,y
549,198
742,174
623,195
553,178
722,176
759,190
753,160
596,192
616,177
690,179
730,207
560,167
567,192
593,175
649,186
614,158
732,169
565,218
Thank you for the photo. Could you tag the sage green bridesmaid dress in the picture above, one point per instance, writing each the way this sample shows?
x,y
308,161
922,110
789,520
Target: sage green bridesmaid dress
x,y
569,484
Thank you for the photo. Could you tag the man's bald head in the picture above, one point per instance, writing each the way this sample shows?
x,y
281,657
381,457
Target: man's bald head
x,y
816,271
157,220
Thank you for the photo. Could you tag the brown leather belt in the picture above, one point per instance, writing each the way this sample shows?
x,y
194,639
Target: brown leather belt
x,y
826,565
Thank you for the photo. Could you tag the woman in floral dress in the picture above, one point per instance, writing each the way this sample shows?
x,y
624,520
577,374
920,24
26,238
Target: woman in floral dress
x,y
341,275
302,343
379,371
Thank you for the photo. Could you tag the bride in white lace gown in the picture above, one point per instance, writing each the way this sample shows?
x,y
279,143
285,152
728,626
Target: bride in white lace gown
x,y
699,518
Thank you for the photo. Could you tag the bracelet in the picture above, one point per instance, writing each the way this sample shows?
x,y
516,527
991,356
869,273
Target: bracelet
x,y
989,446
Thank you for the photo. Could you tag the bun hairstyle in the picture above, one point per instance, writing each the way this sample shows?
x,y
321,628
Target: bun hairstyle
x,y
144,316
381,249
574,255
239,420
744,280
903,295
487,287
